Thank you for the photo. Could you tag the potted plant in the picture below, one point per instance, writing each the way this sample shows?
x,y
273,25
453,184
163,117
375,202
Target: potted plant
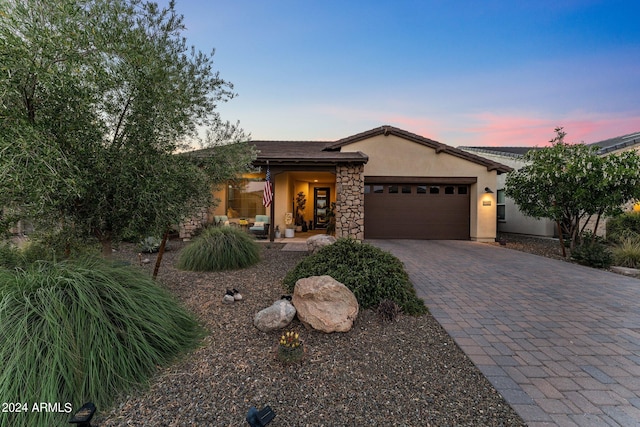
x,y
290,231
331,215
277,231
289,226
301,202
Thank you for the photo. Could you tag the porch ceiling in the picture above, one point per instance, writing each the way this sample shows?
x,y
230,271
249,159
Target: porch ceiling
x,y
314,177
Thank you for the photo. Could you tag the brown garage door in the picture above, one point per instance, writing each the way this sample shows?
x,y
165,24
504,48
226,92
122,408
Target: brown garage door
x,y
416,211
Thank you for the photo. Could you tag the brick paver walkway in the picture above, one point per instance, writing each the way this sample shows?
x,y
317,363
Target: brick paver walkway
x,y
559,341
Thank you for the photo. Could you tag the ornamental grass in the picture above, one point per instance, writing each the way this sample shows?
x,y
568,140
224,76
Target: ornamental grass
x,y
218,249
83,330
627,253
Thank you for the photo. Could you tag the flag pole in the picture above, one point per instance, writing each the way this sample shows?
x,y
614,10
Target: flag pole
x,y
272,231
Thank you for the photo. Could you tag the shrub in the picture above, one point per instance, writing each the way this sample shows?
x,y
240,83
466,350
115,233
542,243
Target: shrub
x,y
627,253
388,310
84,330
10,256
150,244
220,248
13,257
593,254
369,272
623,226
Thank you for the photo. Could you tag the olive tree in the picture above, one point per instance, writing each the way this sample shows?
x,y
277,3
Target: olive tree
x,y
97,96
572,183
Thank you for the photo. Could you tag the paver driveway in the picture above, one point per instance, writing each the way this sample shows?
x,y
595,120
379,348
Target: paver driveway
x,y
559,341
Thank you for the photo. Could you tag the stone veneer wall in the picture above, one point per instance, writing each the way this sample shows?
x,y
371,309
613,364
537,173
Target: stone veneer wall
x,y
350,201
190,225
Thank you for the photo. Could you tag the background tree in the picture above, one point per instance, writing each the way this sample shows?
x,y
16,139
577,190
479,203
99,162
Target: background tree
x,y
570,183
97,97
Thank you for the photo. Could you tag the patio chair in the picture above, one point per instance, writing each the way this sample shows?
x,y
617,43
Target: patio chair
x,y
260,228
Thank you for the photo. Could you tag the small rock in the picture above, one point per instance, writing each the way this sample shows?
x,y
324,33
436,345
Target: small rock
x,y
228,298
276,316
319,241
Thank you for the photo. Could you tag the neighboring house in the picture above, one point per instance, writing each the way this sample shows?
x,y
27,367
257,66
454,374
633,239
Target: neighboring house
x,y
510,219
619,144
385,183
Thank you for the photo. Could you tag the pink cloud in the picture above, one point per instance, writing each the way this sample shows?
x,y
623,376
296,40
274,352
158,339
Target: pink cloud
x,y
510,130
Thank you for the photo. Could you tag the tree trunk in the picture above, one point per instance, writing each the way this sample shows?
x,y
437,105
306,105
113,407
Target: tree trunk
x,y
595,227
564,250
163,244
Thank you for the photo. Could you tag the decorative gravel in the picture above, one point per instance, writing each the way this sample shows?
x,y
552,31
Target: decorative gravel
x,y
543,246
408,372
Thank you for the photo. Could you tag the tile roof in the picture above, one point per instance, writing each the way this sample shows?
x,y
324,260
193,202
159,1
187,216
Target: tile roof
x,y
304,152
617,143
328,152
502,151
295,152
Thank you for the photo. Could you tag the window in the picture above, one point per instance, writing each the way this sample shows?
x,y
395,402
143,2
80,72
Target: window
x,y
393,189
502,214
378,188
367,189
421,189
406,189
434,190
244,198
462,190
449,190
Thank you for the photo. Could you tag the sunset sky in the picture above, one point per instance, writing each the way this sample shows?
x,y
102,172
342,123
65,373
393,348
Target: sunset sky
x,y
481,73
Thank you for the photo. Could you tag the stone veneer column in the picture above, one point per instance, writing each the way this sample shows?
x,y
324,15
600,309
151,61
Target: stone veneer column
x,y
189,226
350,201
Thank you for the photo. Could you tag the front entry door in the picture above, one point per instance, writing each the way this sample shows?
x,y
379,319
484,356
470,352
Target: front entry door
x,y
321,207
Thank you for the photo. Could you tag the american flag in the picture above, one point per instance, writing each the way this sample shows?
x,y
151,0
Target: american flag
x,y
267,197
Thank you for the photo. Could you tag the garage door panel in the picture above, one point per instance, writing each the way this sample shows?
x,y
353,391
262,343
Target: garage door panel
x,y
417,215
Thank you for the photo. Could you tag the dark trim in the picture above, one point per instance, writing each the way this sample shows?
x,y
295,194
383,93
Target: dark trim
x,y
462,180
279,168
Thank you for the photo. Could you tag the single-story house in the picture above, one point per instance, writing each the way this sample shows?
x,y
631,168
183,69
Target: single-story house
x,y
385,183
510,219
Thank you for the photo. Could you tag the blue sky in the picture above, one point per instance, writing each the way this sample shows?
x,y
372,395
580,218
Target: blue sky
x,y
460,72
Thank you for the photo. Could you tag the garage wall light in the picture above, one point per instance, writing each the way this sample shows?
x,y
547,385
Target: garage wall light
x,y
488,190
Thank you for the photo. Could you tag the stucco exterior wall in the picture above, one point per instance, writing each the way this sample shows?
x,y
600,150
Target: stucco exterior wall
x,y
394,156
515,221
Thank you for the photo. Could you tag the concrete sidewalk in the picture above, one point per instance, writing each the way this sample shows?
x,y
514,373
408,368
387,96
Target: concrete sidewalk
x,y
560,342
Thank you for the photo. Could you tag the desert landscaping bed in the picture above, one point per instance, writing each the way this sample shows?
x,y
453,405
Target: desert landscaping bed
x,y
405,373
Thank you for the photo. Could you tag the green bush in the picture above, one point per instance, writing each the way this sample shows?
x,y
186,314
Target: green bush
x,y
84,330
13,257
623,226
592,254
372,274
10,256
219,248
627,253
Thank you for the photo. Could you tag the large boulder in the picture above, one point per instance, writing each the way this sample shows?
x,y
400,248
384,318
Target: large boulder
x,y
276,316
325,304
319,241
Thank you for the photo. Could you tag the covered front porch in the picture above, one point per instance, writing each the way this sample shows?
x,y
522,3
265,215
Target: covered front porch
x,y
304,197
